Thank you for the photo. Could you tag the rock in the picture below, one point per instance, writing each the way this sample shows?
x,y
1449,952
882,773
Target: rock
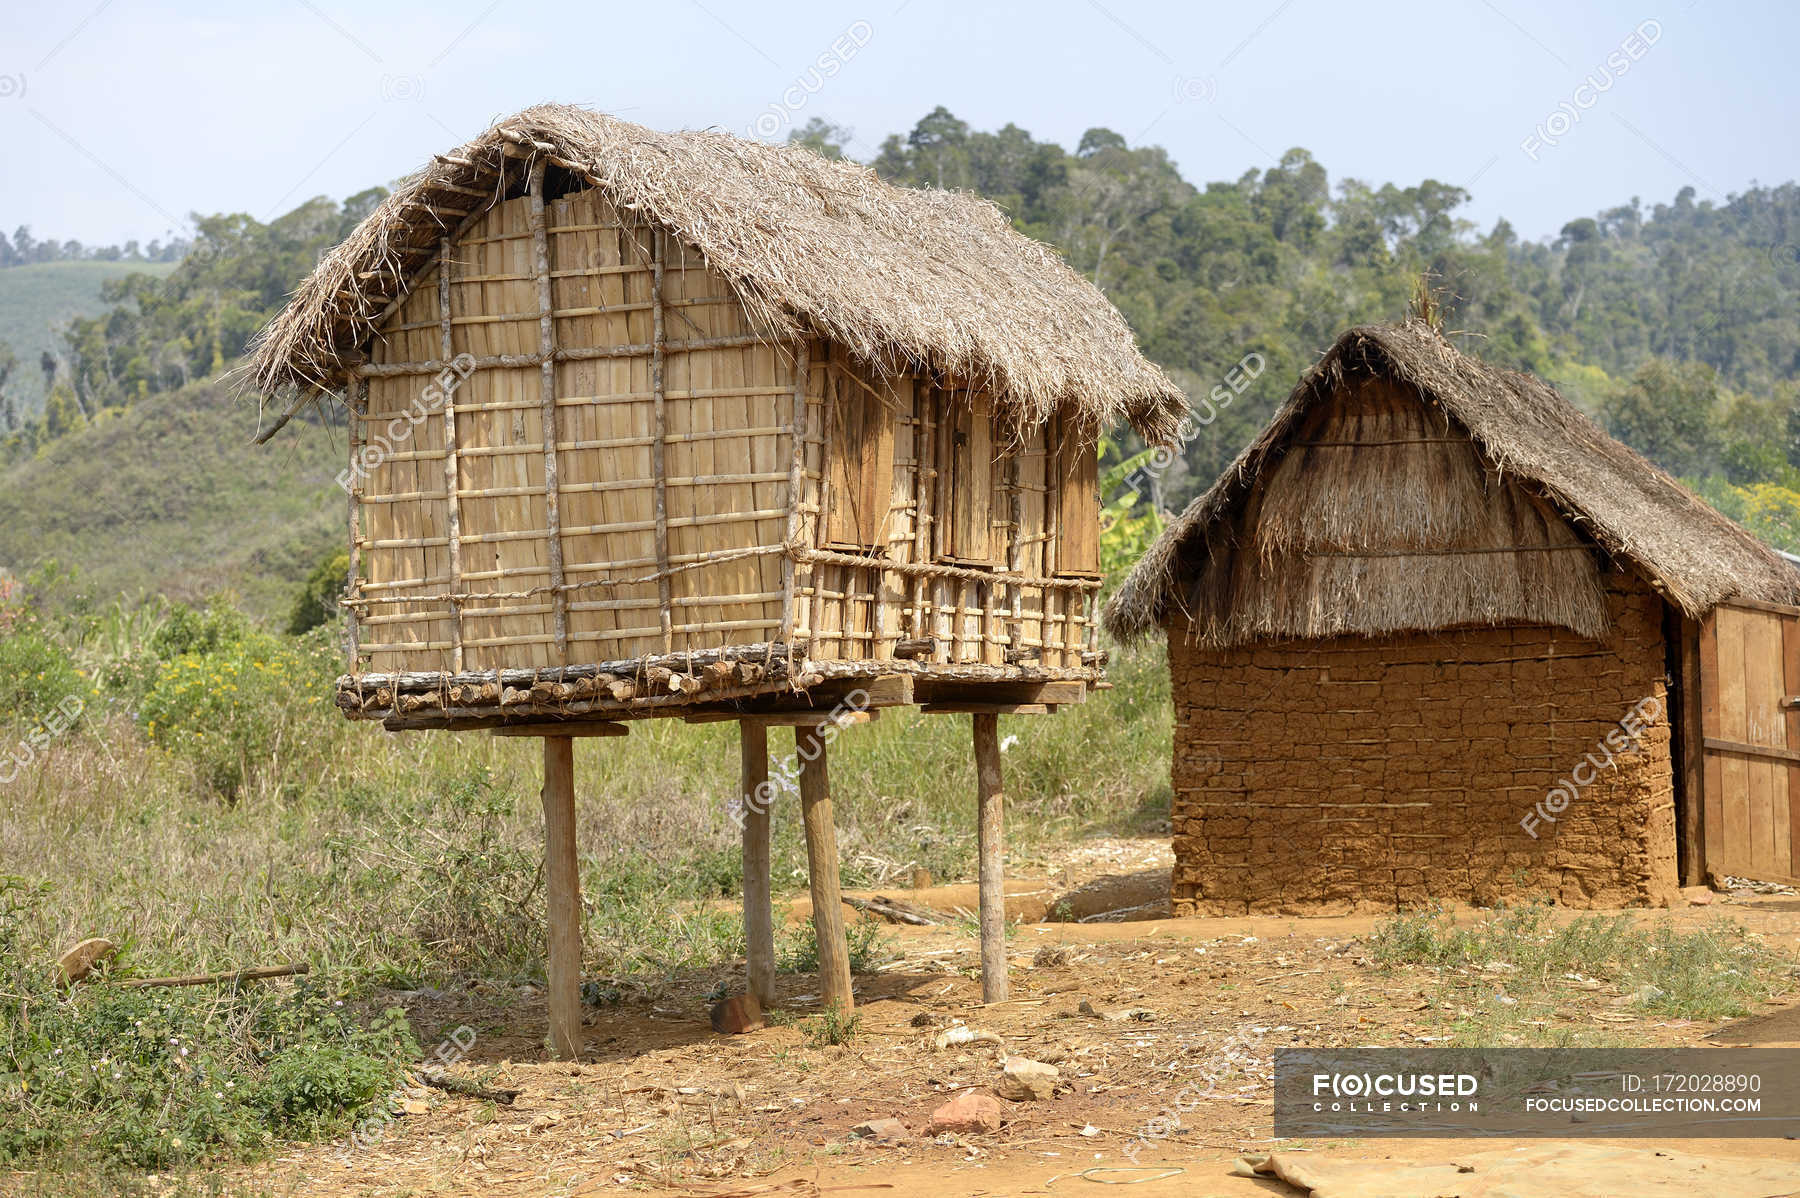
x,y
882,1131
1697,896
962,1033
736,1015
79,961
1117,1014
1026,1080
968,1112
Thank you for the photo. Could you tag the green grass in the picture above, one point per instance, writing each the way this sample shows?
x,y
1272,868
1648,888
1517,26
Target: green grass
x,y
168,497
37,303
1502,977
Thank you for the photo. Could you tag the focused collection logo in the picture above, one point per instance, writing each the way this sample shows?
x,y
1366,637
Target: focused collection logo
x,y
1371,1092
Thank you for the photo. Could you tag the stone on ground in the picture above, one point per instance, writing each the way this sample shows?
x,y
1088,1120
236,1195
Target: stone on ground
x,y
968,1112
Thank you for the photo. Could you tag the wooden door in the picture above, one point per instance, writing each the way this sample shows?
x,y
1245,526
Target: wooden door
x,y
1750,674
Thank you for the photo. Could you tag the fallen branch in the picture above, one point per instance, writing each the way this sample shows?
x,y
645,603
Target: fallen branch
x,y
233,975
895,911
456,1085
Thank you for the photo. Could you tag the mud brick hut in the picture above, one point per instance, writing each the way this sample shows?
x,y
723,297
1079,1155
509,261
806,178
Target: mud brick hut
x,y
1435,636
677,425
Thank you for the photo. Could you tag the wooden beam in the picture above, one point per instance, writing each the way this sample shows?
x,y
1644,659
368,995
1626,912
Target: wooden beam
x,y
810,718
563,728
1771,752
562,899
540,249
1053,693
822,868
990,845
759,920
988,709
1780,609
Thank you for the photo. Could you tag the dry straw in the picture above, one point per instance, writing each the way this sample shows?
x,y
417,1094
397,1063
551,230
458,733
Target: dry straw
x,y
899,276
1382,514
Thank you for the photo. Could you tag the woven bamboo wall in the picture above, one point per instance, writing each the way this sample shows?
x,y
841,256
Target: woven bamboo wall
x,y
658,518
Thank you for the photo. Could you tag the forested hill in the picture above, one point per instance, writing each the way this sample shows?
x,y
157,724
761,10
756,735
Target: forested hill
x,y
1676,323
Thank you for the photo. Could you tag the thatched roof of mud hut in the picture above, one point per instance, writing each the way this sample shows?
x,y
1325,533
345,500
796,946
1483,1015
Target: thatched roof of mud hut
x,y
1448,534
901,277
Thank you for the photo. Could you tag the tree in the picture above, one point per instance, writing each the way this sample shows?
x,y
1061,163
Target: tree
x,y
62,411
938,141
821,137
1667,413
9,411
317,602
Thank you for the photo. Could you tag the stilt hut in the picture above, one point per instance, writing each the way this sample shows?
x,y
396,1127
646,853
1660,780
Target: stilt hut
x,y
654,424
1435,636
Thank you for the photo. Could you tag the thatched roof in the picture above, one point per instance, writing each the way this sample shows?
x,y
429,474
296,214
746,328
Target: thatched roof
x,y
899,276
1286,545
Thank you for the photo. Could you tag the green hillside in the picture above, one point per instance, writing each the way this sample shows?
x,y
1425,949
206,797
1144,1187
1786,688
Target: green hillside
x,y
38,300
169,495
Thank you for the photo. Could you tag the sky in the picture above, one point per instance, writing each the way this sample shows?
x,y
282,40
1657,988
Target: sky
x,y
121,118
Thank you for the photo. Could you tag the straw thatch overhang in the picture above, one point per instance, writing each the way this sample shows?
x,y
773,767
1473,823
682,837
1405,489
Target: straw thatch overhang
x,y
1405,486
901,277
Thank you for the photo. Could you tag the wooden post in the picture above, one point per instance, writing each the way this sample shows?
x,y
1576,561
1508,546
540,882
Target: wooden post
x,y
562,898
989,844
1688,732
822,867
759,921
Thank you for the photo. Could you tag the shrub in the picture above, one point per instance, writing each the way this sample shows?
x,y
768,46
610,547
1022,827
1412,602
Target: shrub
x,y
226,705
317,602
199,631
37,680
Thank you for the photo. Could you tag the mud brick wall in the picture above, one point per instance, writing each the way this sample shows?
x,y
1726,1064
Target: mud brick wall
x,y
1359,774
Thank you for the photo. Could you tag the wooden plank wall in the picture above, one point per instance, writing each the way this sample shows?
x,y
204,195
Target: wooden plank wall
x,y
1749,662
961,493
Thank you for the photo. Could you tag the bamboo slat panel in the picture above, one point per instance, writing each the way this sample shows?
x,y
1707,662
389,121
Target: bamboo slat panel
x,y
501,493
403,455
603,528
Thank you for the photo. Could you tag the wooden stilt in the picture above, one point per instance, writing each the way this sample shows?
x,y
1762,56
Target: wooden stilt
x,y
562,898
822,867
759,921
991,847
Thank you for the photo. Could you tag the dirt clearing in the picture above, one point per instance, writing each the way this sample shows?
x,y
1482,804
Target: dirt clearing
x,y
1128,1013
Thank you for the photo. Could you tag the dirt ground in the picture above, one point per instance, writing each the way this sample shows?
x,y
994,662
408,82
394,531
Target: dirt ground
x,y
1128,1009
